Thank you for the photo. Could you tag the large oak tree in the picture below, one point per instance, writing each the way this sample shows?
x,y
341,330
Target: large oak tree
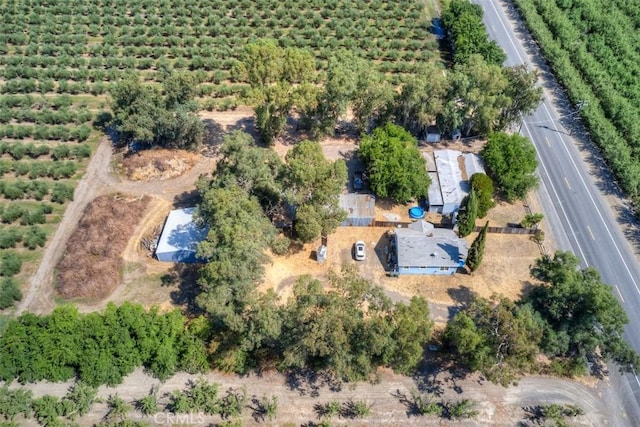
x,y
394,164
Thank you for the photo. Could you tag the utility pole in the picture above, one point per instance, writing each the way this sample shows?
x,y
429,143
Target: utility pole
x,y
581,104
521,122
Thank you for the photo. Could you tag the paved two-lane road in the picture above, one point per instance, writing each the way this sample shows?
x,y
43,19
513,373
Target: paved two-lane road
x,y
571,191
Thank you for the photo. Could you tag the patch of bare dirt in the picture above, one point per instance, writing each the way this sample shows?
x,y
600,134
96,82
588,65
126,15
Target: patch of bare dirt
x,y
93,262
504,270
157,165
389,399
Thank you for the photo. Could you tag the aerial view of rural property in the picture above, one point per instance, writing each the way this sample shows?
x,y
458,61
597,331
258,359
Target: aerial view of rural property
x,y
319,213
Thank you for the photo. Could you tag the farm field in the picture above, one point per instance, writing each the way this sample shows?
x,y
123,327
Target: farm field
x,y
58,59
72,47
595,57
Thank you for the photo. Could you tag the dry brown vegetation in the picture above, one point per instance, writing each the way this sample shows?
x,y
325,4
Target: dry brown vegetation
x,y
160,164
92,265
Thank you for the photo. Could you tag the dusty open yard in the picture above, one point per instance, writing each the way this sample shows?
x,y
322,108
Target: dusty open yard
x,y
505,268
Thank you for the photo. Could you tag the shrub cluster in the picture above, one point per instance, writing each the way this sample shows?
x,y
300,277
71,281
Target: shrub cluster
x,y
44,132
27,216
37,189
40,169
98,348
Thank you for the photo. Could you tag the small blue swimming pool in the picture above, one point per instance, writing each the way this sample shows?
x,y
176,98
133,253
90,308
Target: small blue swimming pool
x,y
416,212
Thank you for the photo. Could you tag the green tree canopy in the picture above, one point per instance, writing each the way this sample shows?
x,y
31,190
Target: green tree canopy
x,y
313,185
483,186
496,337
523,94
281,81
478,89
256,170
394,164
476,251
234,249
352,328
422,98
511,161
468,35
580,313
468,214
98,348
153,116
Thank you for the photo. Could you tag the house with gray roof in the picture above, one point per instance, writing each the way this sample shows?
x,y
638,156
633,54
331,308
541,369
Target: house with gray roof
x,y
423,249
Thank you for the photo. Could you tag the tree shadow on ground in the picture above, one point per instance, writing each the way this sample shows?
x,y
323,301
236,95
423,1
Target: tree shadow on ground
x,y
184,278
247,125
462,295
527,288
212,140
187,199
309,382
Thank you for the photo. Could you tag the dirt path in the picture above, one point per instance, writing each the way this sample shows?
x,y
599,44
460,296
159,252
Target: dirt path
x,y
98,179
495,405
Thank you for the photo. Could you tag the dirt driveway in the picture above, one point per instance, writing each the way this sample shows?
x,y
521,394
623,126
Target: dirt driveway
x,y
297,399
496,405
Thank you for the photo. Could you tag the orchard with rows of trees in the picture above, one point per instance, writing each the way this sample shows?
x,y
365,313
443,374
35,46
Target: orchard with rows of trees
x,y
593,54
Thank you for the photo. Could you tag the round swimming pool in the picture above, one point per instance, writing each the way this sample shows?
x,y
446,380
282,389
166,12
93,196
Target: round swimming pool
x,y
416,212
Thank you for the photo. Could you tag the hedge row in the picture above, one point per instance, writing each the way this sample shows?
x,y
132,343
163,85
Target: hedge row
x,y
44,132
27,216
36,189
45,117
619,155
40,169
31,237
18,150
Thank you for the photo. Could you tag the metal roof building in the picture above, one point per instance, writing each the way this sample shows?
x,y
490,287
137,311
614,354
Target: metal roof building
x,y
180,237
450,185
360,208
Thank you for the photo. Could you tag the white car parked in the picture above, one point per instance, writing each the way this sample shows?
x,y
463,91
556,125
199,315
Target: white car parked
x,y
359,251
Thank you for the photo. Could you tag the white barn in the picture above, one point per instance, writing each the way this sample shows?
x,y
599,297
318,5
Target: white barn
x,y
180,237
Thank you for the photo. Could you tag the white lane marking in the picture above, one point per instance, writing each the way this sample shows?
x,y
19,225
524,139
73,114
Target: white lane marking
x,y
591,233
559,203
622,298
506,32
635,376
566,181
593,202
548,142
